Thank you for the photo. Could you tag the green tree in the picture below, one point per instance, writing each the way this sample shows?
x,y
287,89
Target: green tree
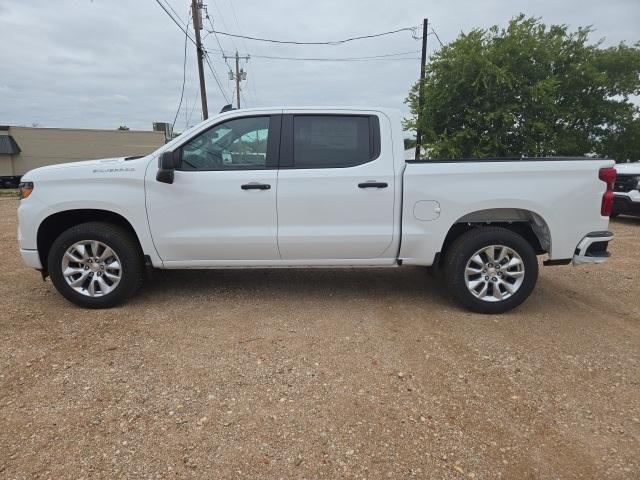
x,y
530,89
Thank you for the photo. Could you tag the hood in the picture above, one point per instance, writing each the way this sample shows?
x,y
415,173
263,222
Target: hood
x,y
81,165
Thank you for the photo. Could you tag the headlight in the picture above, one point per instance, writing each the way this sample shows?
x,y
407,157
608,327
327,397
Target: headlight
x,y
25,189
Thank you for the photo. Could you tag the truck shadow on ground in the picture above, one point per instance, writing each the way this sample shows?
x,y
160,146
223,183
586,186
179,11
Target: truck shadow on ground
x,y
299,283
330,286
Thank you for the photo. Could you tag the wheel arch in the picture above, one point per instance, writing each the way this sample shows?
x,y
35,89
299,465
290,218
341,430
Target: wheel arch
x,y
53,225
526,223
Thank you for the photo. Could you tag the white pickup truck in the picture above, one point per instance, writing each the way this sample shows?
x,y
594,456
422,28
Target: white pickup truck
x,y
312,187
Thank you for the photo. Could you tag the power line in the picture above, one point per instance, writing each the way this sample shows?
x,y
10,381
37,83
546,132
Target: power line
x,y
195,102
168,4
184,78
224,24
212,30
217,39
184,30
215,76
252,90
421,36
335,42
437,37
233,11
246,58
391,56
239,75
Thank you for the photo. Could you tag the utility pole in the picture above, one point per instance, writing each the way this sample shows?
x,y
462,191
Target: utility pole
x,y
239,75
423,66
197,26
237,79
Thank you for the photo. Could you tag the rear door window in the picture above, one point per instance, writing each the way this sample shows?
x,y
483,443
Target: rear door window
x,y
333,141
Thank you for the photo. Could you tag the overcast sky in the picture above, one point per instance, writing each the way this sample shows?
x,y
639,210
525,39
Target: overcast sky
x,y
105,63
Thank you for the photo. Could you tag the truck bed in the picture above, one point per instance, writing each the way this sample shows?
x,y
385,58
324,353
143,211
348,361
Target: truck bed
x,y
560,195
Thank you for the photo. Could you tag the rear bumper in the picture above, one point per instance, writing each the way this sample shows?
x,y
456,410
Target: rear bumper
x,y
622,204
593,248
31,258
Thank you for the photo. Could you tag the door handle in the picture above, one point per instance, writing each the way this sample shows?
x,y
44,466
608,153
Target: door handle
x,y
255,186
373,185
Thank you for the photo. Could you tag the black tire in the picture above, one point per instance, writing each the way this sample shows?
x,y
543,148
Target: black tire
x,y
121,241
465,246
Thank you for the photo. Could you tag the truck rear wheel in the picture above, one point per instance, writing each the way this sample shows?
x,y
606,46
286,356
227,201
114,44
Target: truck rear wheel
x,y
96,265
491,269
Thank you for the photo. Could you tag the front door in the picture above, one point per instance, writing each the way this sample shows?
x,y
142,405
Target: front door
x,y
221,206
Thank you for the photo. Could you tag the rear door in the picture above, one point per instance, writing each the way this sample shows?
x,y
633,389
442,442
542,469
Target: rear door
x,y
336,187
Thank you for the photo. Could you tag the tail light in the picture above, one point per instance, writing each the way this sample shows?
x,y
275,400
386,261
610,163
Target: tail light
x,y
607,175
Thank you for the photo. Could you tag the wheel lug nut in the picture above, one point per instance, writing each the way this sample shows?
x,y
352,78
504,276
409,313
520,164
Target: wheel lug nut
x,y
86,268
486,277
494,279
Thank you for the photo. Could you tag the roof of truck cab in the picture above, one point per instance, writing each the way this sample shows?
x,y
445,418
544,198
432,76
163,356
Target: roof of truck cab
x,y
318,107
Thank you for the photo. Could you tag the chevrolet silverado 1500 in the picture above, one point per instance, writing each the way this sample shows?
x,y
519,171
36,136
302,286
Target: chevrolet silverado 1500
x,y
312,187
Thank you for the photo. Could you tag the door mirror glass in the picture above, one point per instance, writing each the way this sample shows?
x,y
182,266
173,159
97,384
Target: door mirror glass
x,y
167,163
167,160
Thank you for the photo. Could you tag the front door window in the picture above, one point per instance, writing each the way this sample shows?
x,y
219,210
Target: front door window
x,y
239,144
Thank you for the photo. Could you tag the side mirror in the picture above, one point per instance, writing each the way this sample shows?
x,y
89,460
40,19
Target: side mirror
x,y
167,164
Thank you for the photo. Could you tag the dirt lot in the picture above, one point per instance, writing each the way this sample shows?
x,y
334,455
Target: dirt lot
x,y
321,373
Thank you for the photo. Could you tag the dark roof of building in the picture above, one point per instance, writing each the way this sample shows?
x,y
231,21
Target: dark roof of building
x,y
8,145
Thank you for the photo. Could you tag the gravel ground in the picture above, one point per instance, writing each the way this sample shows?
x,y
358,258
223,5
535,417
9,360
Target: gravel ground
x,y
370,373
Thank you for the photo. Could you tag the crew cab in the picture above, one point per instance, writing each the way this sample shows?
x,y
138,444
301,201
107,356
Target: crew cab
x,y
312,187
626,192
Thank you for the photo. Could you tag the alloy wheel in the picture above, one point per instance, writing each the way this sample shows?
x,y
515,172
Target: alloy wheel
x,y
494,273
91,268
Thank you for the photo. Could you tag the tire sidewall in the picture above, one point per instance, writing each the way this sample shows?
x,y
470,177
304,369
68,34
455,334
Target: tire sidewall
x,y
119,241
467,247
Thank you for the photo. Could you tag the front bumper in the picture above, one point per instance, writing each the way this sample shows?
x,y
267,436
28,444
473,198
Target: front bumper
x,y
593,248
31,258
624,205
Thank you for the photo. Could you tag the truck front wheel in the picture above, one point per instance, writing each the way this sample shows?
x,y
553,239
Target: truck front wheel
x,y
96,264
491,269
